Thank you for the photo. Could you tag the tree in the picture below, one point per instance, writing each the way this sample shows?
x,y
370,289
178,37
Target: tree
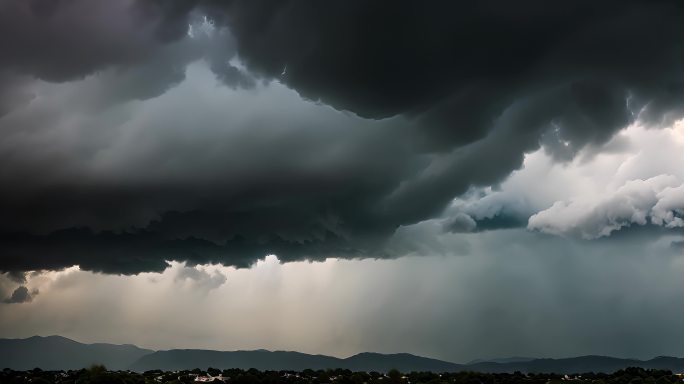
x,y
394,376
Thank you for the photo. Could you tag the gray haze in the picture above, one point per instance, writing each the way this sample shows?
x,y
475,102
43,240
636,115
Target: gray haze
x,y
513,293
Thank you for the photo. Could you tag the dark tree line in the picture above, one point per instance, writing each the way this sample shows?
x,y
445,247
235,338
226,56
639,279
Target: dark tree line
x,y
100,375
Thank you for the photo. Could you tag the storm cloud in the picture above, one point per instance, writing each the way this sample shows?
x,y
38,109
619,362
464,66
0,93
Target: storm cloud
x,y
20,295
136,133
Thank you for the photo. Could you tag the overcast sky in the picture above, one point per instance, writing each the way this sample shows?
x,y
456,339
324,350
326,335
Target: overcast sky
x,y
456,181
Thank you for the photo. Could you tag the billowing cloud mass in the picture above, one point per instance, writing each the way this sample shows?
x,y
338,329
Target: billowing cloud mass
x,y
658,200
133,133
601,191
20,295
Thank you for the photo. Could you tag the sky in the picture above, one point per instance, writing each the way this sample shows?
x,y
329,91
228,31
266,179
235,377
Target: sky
x,y
457,181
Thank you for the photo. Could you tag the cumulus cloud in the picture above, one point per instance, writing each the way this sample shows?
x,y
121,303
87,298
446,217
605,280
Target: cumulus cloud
x,y
460,222
658,200
487,209
669,209
20,295
637,153
200,278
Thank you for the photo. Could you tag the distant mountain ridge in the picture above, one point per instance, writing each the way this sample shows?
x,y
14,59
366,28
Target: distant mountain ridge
x,y
177,359
514,359
580,364
56,352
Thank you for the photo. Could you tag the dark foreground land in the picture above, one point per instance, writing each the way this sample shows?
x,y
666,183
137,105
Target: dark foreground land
x,y
99,374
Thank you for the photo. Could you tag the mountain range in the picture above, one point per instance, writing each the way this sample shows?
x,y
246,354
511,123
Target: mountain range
x,y
60,353
56,353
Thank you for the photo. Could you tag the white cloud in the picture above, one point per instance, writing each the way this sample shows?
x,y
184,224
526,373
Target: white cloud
x,y
201,278
669,209
655,200
635,179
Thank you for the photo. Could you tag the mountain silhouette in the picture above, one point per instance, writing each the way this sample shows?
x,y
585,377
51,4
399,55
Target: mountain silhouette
x,y
579,364
56,352
279,360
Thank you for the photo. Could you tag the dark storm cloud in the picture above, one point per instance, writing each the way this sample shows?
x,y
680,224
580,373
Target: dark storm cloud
x,y
456,63
464,90
129,253
17,276
502,76
68,39
20,295
229,221
64,40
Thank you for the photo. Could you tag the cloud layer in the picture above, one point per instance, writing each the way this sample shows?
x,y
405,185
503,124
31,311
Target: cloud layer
x,y
134,133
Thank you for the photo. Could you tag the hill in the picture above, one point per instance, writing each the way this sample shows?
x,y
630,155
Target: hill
x,y
177,359
279,360
402,361
56,352
579,364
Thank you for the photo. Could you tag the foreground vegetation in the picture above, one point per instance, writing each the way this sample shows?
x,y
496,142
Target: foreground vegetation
x,y
99,374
